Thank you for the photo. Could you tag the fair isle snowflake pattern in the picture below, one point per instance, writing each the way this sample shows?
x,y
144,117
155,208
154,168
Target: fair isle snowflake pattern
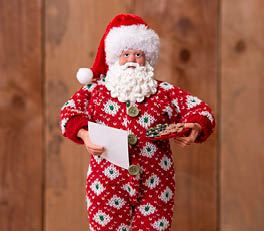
x,y
69,103
161,224
148,150
97,187
97,158
166,195
147,209
123,227
102,218
168,110
101,81
100,122
129,189
116,202
152,181
165,163
88,202
89,87
192,101
63,124
91,228
146,120
208,115
111,172
124,123
166,86
111,107
176,105
89,170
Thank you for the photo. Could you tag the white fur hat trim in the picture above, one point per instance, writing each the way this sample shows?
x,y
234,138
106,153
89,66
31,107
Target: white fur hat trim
x,y
138,37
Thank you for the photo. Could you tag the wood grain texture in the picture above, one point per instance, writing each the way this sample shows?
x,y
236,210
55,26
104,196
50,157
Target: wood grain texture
x,y
21,116
188,59
73,32
242,159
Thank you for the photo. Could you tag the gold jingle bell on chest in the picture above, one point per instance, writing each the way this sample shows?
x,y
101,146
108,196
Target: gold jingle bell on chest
x,y
132,139
133,169
133,111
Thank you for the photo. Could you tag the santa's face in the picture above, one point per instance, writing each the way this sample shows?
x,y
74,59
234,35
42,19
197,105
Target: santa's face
x,y
131,81
132,56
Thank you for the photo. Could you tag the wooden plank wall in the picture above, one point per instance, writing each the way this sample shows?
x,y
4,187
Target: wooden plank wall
x,y
211,48
242,130
21,117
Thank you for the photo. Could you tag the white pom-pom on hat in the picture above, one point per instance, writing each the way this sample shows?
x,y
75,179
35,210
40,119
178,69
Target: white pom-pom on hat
x,y
84,75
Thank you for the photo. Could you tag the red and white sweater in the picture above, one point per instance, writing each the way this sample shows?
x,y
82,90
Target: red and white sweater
x,y
152,191
169,105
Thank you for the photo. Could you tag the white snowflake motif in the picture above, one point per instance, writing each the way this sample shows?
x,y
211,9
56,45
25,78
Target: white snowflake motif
x,y
97,187
149,150
111,172
69,103
161,224
88,202
101,81
165,163
152,181
192,101
89,170
101,218
100,122
89,87
124,123
91,228
168,110
111,107
63,124
123,227
129,189
97,158
176,105
166,86
146,120
116,202
147,209
208,115
166,195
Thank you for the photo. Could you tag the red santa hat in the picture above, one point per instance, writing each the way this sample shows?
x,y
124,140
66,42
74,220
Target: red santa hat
x,y
125,31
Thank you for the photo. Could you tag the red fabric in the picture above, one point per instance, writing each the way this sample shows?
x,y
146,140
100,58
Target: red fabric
x,y
73,126
106,182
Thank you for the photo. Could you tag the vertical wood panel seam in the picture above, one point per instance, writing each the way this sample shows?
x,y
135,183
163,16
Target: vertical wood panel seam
x,y
43,87
219,113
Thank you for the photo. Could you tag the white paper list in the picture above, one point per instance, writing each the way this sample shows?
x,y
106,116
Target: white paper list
x,y
113,140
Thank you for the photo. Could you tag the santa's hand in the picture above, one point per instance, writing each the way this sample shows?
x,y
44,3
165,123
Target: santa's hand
x,y
195,132
91,148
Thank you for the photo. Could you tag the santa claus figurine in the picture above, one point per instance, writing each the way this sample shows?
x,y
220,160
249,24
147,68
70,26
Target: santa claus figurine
x,y
121,91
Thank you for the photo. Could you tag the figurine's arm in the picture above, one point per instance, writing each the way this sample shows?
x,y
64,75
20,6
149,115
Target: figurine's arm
x,y
75,113
194,113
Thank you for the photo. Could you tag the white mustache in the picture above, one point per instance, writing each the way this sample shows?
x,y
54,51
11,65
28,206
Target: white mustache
x,y
130,64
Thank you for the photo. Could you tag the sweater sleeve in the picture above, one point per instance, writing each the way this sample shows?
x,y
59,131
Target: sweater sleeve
x,y
191,109
74,114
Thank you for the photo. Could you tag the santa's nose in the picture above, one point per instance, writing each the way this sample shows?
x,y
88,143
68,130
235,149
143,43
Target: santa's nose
x,y
132,58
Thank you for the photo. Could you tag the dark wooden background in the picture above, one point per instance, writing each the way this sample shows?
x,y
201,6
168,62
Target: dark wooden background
x,y
211,48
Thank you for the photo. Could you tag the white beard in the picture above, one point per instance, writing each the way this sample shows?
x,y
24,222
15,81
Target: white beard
x,y
131,84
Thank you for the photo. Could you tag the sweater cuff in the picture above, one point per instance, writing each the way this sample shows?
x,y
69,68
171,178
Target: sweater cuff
x,y
73,126
207,127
